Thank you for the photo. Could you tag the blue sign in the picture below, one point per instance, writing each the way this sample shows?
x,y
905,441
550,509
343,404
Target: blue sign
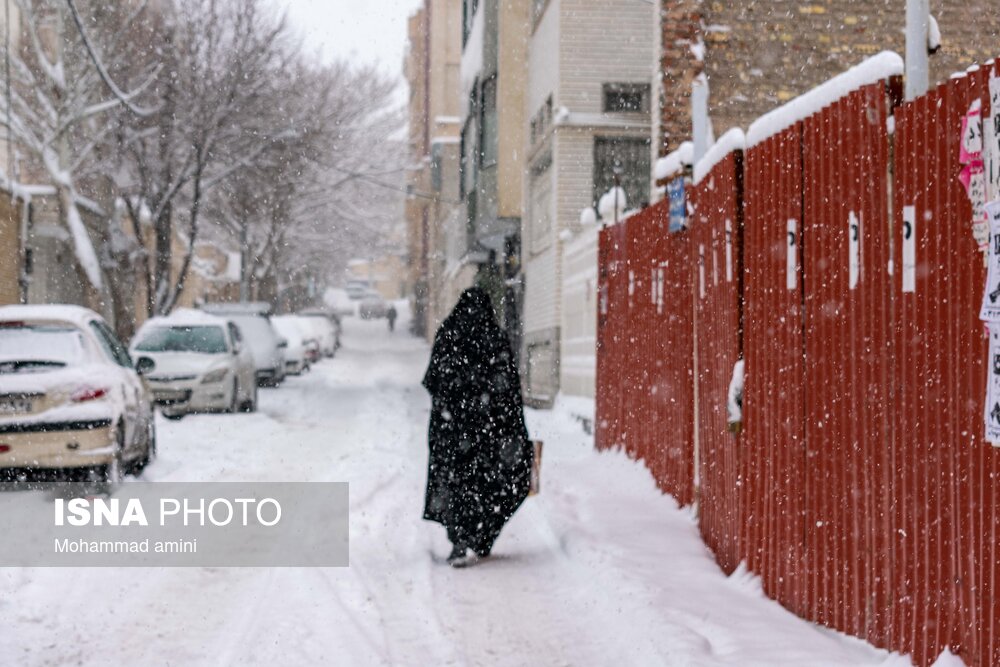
x,y
678,210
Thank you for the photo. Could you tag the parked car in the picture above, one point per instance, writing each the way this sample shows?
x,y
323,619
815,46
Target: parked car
x,y
357,289
201,364
372,307
70,398
266,345
327,327
298,335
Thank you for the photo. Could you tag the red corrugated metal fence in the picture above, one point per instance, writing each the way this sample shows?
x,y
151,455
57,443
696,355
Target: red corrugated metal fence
x,y
861,488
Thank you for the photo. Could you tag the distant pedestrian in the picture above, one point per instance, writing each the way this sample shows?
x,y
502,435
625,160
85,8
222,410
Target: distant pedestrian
x,y
480,456
391,316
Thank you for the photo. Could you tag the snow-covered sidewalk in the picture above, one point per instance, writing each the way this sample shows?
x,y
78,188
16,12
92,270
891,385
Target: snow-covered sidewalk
x,y
600,569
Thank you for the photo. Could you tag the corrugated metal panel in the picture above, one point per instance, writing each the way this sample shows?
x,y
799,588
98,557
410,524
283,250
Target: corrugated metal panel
x,y
945,540
774,465
716,238
847,332
644,364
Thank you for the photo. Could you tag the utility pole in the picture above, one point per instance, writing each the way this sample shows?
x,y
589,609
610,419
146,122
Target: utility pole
x,y
917,24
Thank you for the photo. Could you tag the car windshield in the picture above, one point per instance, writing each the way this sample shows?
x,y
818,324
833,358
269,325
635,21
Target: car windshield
x,y
199,339
33,347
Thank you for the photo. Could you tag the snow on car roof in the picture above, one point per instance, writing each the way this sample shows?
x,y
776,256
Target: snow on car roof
x,y
247,308
190,317
77,315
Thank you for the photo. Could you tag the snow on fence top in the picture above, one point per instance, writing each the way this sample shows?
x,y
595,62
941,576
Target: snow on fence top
x,y
733,140
874,69
674,161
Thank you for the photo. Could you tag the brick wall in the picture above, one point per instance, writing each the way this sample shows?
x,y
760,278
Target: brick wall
x,y
761,53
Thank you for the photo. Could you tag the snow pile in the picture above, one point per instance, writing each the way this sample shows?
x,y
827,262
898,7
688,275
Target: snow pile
x,y
933,34
588,217
731,141
675,161
877,68
606,207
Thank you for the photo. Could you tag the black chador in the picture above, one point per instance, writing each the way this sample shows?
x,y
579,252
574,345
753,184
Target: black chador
x,y
480,455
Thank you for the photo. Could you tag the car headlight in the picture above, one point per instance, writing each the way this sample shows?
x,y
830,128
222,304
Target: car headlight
x,y
217,375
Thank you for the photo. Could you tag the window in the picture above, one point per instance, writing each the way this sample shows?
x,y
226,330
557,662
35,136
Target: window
x,y
629,157
541,121
109,341
489,140
470,136
436,178
626,98
197,339
540,202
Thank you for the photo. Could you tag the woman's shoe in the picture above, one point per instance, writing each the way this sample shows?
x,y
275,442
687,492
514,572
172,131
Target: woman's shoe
x,y
467,559
457,553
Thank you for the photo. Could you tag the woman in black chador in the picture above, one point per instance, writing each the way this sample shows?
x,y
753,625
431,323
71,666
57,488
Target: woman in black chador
x,y
480,455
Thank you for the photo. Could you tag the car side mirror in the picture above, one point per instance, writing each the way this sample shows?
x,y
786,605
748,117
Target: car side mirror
x,y
283,343
144,365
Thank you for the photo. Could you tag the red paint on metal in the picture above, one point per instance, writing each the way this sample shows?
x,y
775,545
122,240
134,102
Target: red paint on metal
x,y
716,235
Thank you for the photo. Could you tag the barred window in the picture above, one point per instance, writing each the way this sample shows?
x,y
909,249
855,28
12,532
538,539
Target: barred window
x,y
629,157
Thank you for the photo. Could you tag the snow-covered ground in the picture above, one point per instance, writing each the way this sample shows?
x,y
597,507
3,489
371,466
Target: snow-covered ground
x,y
600,569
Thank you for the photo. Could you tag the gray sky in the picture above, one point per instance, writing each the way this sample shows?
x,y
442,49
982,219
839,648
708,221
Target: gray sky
x,y
363,30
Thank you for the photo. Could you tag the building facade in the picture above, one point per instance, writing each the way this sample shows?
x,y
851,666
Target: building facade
x,y
432,69
492,96
588,109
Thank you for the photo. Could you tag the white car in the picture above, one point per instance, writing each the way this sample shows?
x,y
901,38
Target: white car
x,y
201,364
323,329
70,398
298,335
372,307
267,347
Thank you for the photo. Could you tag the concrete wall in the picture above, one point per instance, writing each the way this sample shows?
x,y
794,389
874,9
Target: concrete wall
x,y
578,362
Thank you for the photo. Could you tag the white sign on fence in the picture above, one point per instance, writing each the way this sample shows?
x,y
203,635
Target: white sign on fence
x,y
854,249
909,248
792,255
701,271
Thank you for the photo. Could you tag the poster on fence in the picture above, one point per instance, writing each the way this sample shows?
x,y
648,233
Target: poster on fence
x,y
990,310
991,141
973,174
993,387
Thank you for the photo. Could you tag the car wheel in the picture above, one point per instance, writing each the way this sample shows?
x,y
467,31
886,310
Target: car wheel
x,y
109,475
149,455
250,405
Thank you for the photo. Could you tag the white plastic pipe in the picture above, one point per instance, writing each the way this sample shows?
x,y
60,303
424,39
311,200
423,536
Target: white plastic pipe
x,y
699,116
917,22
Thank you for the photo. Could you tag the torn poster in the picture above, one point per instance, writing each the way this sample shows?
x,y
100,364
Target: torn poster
x,y
992,411
990,311
973,174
